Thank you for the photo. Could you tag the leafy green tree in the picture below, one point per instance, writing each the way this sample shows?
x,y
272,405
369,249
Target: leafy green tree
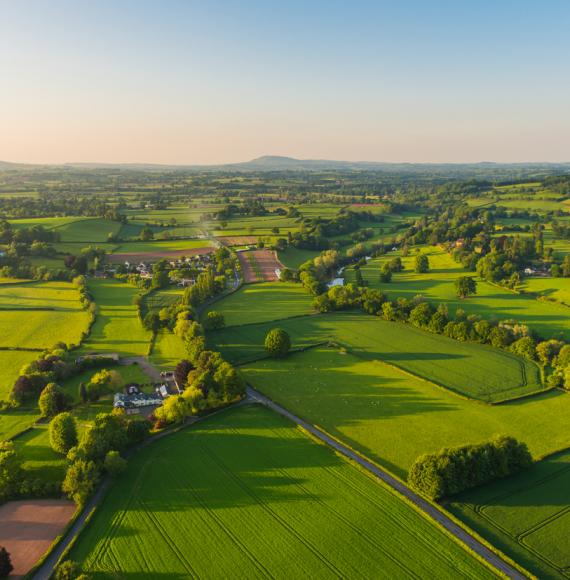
x,y
83,392
80,481
215,320
52,400
386,273
114,464
421,265
465,286
173,410
10,470
230,382
63,432
524,347
146,234
547,350
152,321
5,563
68,570
277,343
420,316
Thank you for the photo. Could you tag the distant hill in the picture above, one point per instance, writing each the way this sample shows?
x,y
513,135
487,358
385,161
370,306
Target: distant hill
x,y
282,163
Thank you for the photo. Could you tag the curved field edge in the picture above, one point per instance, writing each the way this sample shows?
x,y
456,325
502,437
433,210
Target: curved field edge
x,y
265,494
469,369
392,417
507,512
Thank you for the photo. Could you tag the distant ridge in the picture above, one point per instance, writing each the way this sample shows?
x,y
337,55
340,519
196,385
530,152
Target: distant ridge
x,y
283,163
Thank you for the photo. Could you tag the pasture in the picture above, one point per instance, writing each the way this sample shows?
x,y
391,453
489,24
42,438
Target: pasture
x,y
160,246
491,302
526,516
117,327
88,230
263,302
38,315
168,351
393,417
473,370
293,257
251,489
11,361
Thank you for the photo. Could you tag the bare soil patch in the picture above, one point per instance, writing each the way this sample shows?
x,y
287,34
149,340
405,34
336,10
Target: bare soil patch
x,y
29,527
144,256
259,265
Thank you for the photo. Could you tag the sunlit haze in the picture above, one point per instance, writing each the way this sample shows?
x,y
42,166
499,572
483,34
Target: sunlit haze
x,y
224,81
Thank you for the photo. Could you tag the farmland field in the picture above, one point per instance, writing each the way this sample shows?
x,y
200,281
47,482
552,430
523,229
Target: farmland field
x,y
393,417
87,230
11,361
293,258
154,247
259,265
39,315
473,370
168,351
526,516
251,488
263,302
117,327
490,302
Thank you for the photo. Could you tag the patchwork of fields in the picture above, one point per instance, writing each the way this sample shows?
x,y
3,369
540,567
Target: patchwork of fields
x,y
526,516
394,417
267,501
490,302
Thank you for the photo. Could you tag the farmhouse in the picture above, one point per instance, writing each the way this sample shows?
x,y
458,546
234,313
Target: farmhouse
x,y
136,400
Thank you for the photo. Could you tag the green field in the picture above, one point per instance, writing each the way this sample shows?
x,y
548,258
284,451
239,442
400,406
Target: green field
x,y
168,351
87,230
526,516
11,361
158,299
293,258
263,302
552,288
393,417
14,421
117,327
40,314
160,246
473,370
490,302
251,490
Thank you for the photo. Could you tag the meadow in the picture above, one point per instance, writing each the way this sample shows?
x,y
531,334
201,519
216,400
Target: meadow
x,y
168,350
250,489
293,257
491,302
11,361
40,314
263,302
473,370
139,247
526,516
117,327
393,417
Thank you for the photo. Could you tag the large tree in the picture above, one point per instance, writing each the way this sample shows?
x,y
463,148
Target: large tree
x,y
277,343
465,286
63,432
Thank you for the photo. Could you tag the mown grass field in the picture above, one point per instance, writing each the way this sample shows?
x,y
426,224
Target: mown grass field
x,y
252,491
168,351
293,257
117,327
393,417
38,315
263,302
552,288
88,230
526,516
11,361
159,299
473,370
160,246
490,302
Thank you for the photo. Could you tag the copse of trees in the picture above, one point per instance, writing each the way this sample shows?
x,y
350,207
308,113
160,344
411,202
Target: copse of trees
x,y
453,470
465,286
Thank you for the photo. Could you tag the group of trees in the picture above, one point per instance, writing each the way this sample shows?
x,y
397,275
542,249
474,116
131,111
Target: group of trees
x,y
451,471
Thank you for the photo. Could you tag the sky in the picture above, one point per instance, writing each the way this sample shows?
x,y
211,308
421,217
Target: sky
x,y
216,81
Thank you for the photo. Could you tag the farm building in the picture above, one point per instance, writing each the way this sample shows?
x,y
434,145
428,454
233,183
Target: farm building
x,y
136,400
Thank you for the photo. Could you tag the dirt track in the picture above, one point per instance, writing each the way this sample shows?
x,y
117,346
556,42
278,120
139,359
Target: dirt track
x,y
28,528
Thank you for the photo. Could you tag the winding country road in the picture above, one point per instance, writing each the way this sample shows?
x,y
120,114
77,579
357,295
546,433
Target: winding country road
x,y
494,560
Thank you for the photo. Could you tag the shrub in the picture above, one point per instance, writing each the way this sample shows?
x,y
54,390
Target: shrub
x,y
277,343
68,570
114,464
63,432
215,321
80,480
5,563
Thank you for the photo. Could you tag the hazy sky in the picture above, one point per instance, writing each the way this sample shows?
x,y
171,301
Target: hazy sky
x,y
214,81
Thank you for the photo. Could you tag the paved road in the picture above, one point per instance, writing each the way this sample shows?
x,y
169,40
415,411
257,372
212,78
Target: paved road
x,y
489,556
